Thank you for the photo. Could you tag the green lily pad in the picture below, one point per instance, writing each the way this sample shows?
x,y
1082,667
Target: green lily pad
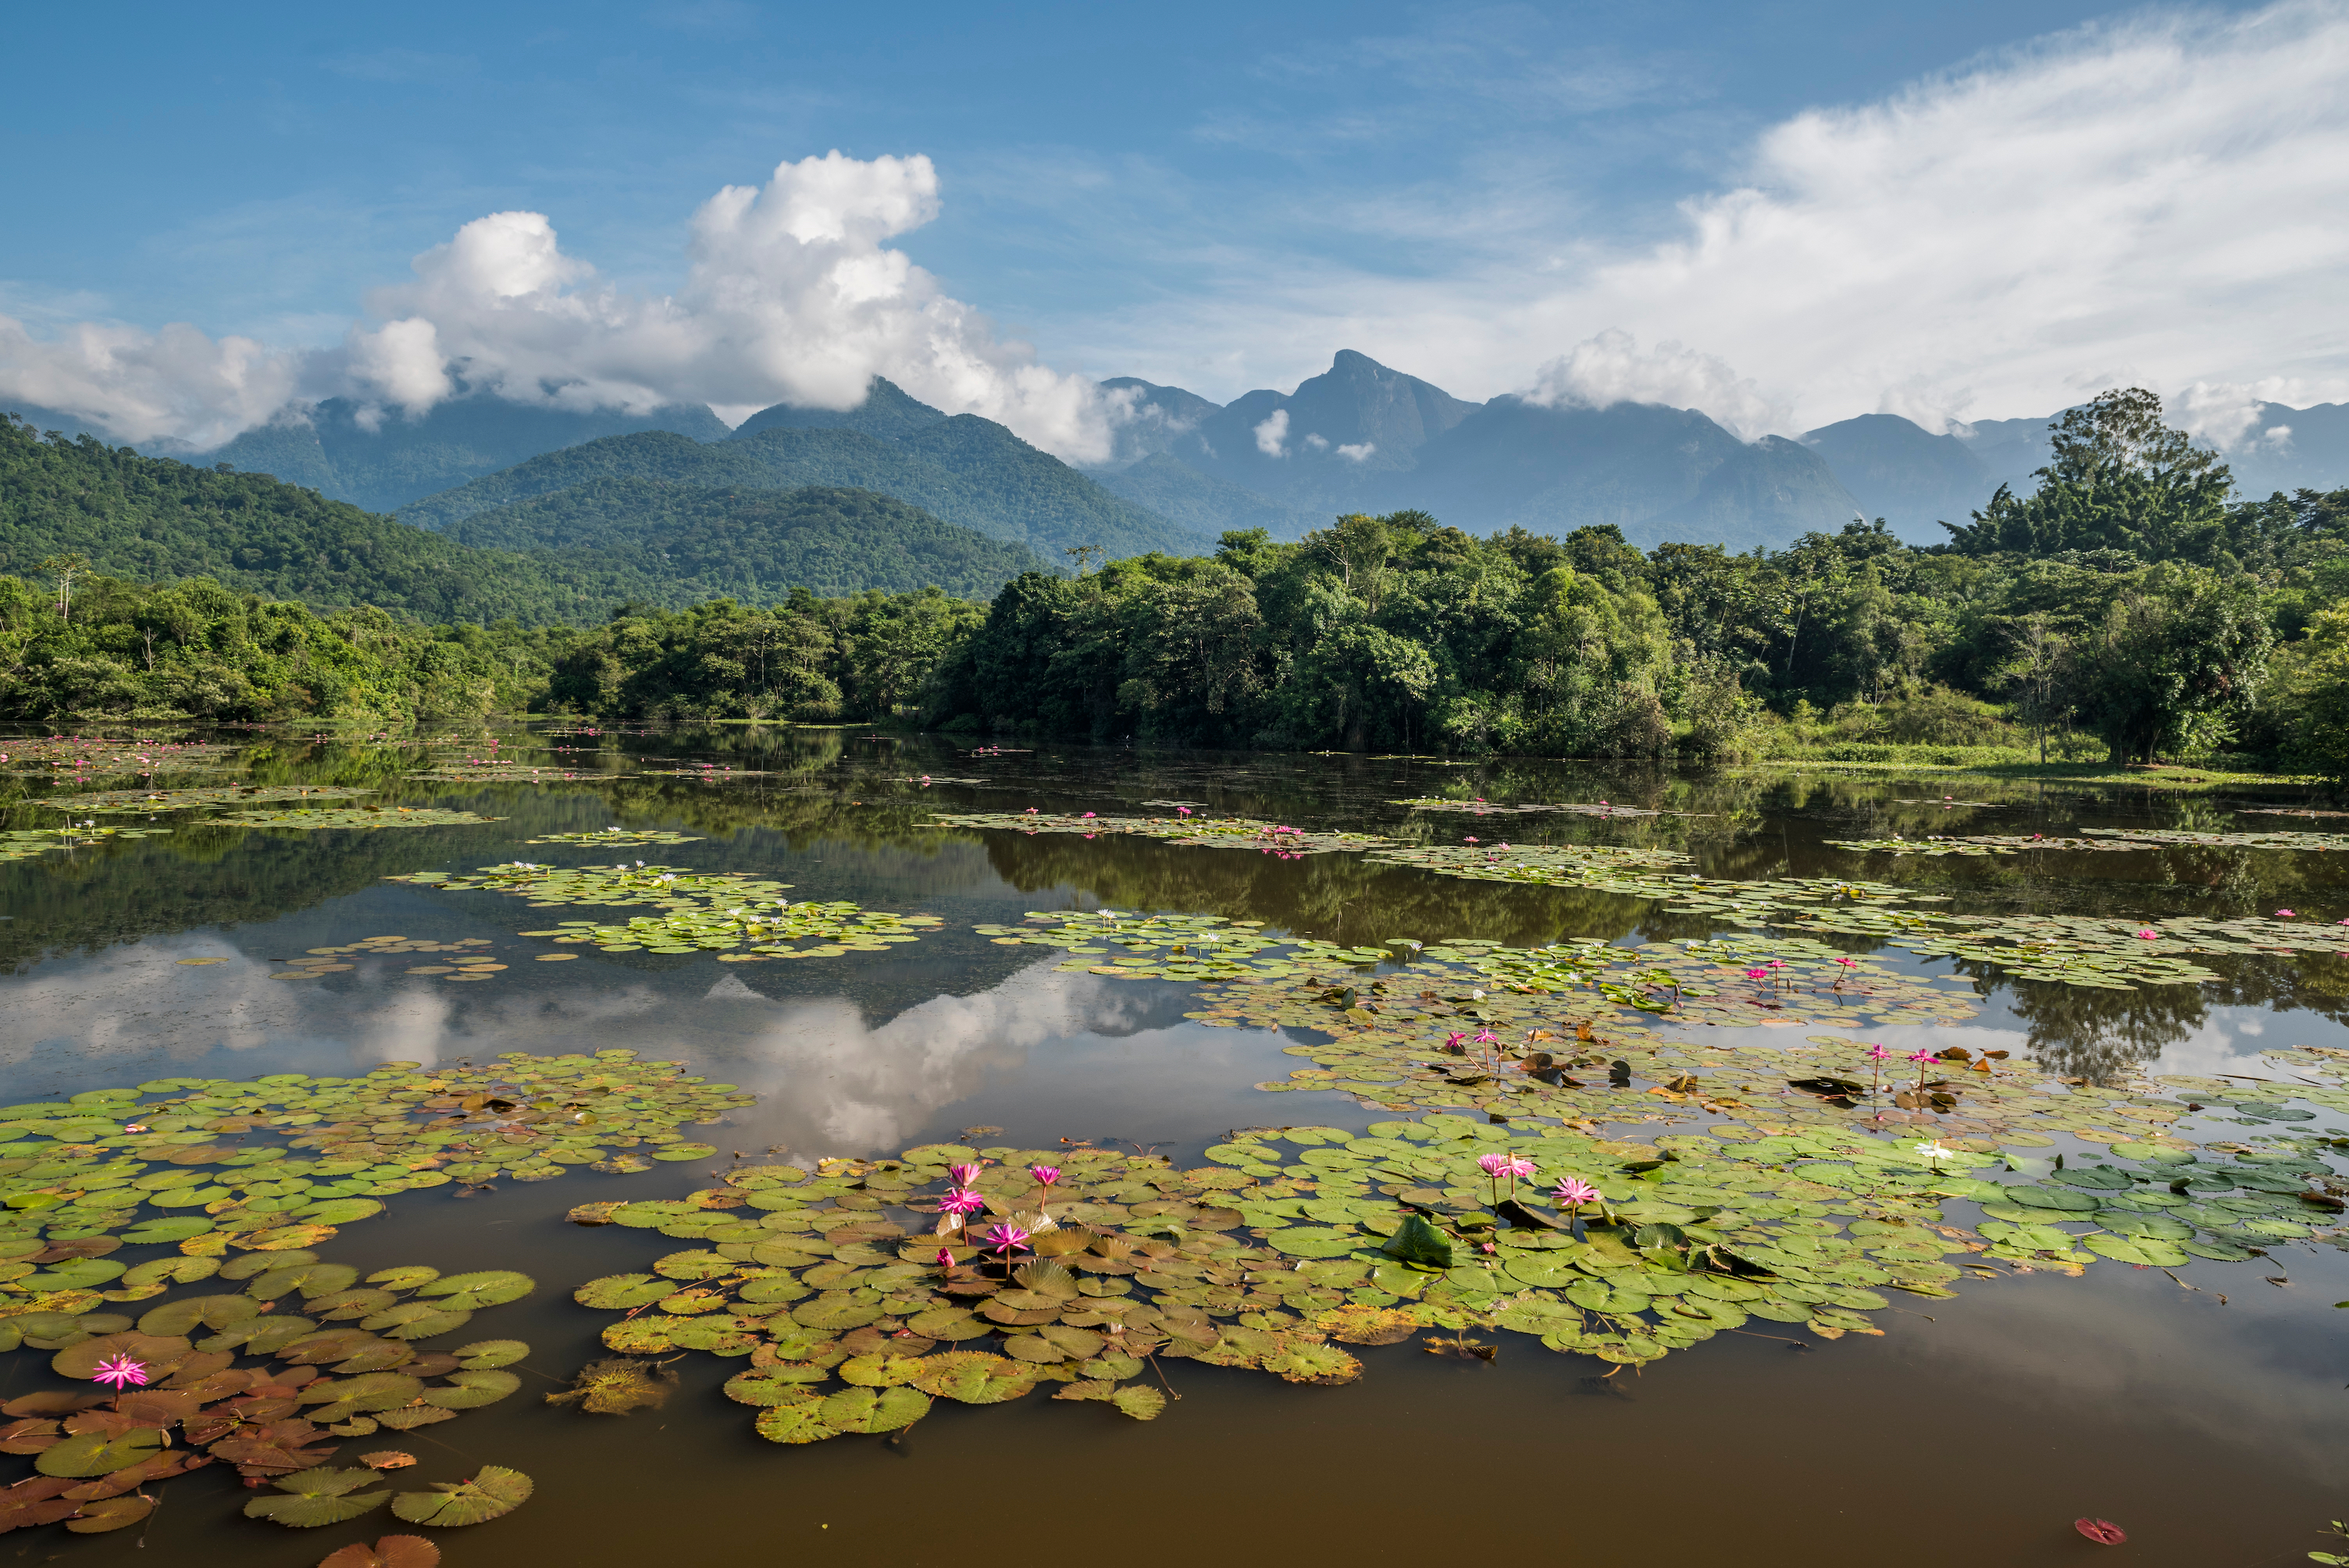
x,y
1314,1241
2147,1251
623,1292
465,1292
470,1390
974,1377
97,1453
415,1320
685,1152
310,1497
309,1279
492,1493
485,1354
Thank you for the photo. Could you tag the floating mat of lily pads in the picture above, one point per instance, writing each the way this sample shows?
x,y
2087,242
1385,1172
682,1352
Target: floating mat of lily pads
x,y
211,1166
2081,950
118,801
24,843
197,1381
359,817
1220,833
1741,980
1937,845
2319,842
1488,808
619,836
704,911
830,1287
71,756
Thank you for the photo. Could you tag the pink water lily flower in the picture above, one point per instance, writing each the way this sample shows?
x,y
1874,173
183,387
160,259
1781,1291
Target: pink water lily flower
x,y
1757,975
946,1259
1493,1165
2284,915
1472,840
961,1202
1573,1193
2149,936
1006,1240
962,1175
1453,1042
121,1372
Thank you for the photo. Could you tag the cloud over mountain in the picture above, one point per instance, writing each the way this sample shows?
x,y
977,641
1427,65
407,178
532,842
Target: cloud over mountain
x,y
793,294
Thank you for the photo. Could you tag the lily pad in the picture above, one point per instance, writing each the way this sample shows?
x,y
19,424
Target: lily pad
x,y
492,1493
468,1390
974,1377
311,1498
484,1354
389,1551
465,1292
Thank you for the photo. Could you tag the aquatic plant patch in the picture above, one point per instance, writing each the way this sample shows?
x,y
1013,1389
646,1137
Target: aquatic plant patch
x,y
1478,808
357,816
104,801
719,911
24,843
269,1364
2315,843
859,1294
211,1166
82,757
1218,832
1937,845
618,838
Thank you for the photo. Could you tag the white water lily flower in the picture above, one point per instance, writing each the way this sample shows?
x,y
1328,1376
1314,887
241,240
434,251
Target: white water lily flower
x,y
1935,1151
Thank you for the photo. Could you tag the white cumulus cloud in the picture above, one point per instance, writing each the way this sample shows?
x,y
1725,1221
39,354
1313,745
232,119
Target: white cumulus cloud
x,y
793,294
2143,201
1272,435
1613,369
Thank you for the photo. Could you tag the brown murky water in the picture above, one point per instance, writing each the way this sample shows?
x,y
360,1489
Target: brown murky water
x,y
2210,1422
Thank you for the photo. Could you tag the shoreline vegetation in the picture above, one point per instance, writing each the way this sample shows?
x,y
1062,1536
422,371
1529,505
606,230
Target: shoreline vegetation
x,y
2127,613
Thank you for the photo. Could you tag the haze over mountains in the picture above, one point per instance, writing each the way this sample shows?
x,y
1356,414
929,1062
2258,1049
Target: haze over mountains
x,y
1361,437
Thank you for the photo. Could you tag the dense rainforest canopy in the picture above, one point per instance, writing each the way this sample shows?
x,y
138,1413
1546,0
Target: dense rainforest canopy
x,y
549,560
2127,606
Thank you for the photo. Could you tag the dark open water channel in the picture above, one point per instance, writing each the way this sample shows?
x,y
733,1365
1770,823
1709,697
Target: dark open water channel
x,y
2210,1423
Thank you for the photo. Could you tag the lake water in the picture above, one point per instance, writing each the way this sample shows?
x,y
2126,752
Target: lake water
x,y
2201,1407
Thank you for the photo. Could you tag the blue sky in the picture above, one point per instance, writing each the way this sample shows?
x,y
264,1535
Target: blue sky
x,y
1220,197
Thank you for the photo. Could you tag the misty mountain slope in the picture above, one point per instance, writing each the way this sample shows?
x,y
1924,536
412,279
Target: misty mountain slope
x,y
402,460
1898,471
1181,494
2292,449
999,485
886,412
1767,493
750,544
1327,446
1155,416
1554,470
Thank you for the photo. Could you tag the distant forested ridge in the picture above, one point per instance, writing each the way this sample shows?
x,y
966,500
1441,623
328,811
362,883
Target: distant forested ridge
x,y
558,560
969,471
2126,598
2128,604
677,544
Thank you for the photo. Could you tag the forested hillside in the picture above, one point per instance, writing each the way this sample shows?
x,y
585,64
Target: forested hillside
x,y
2123,600
561,559
154,519
677,544
969,471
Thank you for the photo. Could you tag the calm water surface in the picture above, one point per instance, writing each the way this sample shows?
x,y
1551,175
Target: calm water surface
x,y
2210,1422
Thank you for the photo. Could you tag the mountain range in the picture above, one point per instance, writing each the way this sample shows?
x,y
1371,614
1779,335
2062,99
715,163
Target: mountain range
x,y
1360,436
